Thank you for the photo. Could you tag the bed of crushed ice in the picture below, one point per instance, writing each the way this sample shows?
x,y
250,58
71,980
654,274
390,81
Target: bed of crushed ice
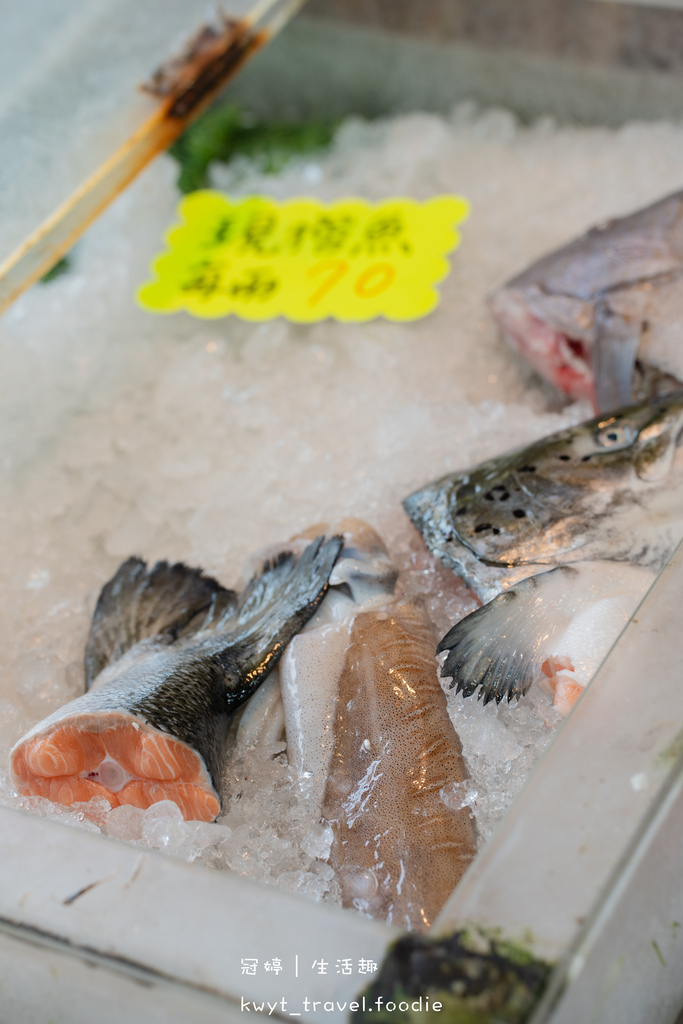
x,y
124,433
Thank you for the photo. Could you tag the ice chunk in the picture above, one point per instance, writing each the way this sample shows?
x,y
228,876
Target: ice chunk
x,y
312,886
95,810
163,825
326,871
457,795
318,842
125,822
488,733
65,815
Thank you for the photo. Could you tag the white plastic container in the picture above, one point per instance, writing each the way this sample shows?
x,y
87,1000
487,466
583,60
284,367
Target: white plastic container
x,y
583,871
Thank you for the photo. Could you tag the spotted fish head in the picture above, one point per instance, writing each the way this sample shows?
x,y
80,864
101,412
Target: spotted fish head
x,y
579,493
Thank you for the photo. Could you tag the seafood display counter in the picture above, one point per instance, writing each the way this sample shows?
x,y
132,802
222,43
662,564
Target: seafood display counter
x,y
490,833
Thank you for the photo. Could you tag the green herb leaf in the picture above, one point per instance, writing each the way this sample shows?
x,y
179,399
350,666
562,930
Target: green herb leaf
x,y
225,132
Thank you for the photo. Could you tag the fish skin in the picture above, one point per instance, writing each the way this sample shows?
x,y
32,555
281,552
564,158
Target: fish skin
x,y
398,850
178,653
609,488
362,674
600,503
602,317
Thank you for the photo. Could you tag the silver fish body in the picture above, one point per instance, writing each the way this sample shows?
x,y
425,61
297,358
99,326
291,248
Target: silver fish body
x,y
170,657
583,518
602,317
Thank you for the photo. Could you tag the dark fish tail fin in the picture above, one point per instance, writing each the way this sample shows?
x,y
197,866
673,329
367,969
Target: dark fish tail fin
x,y
274,607
168,601
499,648
478,660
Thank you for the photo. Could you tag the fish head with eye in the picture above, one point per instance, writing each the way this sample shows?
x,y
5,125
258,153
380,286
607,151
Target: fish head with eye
x,y
579,493
581,314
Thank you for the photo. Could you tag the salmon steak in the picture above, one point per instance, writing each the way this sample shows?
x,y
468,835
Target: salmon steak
x,y
170,657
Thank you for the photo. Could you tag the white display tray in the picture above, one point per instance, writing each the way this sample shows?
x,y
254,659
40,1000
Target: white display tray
x,y
584,871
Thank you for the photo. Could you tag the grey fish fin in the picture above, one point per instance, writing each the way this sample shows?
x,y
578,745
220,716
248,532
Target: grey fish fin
x,y
168,601
499,648
614,358
274,607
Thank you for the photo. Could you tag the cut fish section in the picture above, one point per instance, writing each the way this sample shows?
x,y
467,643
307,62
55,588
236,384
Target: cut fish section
x,y
115,756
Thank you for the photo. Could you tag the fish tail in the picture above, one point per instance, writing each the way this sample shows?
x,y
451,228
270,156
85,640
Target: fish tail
x,y
274,607
166,601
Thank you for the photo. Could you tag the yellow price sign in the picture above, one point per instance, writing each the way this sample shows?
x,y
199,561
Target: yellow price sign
x,y
305,260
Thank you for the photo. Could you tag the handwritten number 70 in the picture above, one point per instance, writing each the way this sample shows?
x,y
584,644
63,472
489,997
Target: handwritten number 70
x,y
372,282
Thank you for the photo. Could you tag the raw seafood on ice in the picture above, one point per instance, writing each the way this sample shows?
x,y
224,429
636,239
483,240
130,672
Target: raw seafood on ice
x,y
563,539
368,729
171,655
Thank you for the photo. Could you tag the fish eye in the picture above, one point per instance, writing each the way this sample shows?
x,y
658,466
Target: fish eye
x,y
616,435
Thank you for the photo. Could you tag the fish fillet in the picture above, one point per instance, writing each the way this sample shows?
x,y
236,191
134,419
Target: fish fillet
x,y
398,849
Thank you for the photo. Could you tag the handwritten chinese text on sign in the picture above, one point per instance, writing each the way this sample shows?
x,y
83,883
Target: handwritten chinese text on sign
x,y
305,260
